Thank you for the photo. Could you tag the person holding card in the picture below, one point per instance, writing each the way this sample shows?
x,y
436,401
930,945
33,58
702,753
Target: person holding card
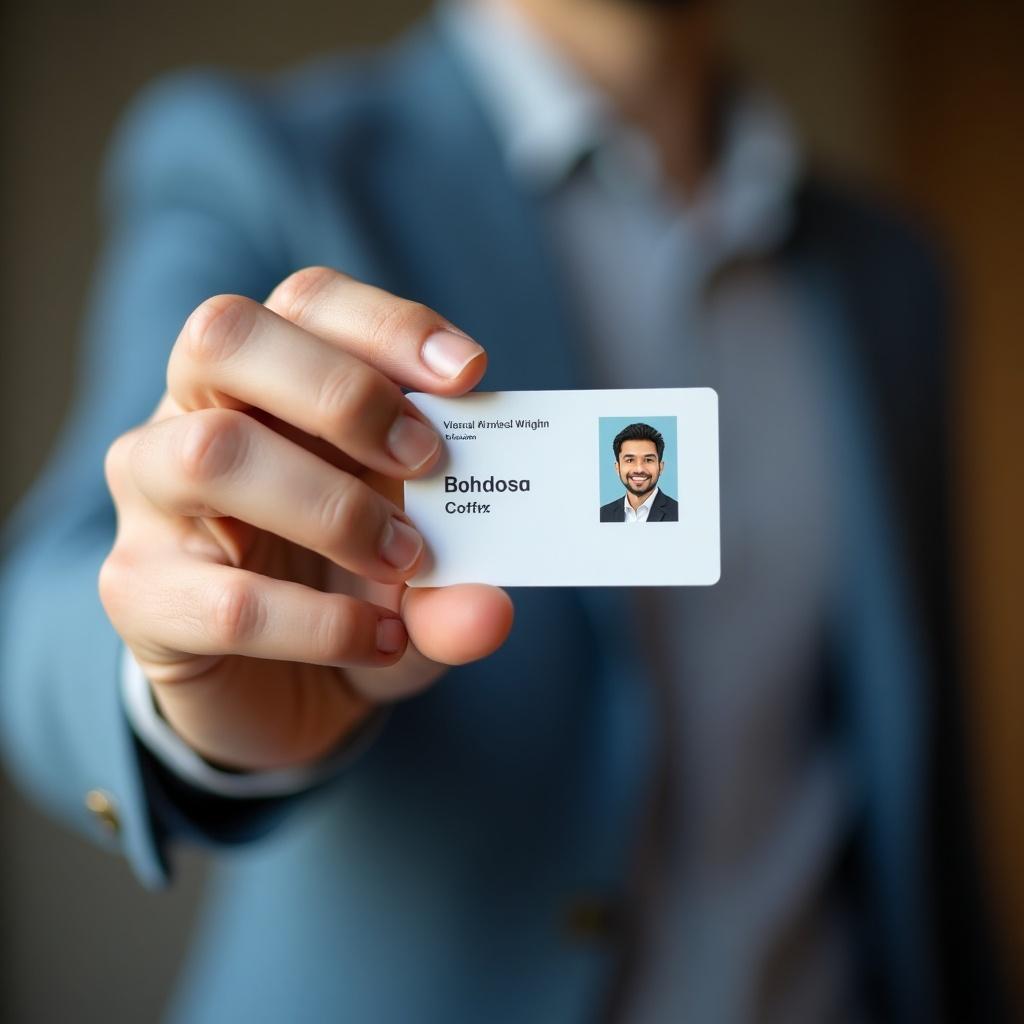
x,y
682,803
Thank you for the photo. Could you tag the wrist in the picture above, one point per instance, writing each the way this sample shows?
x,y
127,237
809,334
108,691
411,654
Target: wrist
x,y
172,750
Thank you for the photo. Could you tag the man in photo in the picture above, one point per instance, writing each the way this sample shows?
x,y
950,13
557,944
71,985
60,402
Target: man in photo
x,y
639,451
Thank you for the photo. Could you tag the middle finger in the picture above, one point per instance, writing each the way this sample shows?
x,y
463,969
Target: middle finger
x,y
222,462
235,352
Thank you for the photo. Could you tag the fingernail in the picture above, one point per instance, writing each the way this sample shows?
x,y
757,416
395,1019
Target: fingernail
x,y
400,545
448,354
390,636
411,442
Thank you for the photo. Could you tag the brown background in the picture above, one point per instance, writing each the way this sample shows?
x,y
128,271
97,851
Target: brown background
x,y
925,101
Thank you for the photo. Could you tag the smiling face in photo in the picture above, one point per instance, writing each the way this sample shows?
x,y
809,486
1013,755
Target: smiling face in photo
x,y
638,466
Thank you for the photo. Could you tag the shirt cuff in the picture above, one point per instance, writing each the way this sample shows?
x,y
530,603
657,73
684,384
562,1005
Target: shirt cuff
x,y
157,736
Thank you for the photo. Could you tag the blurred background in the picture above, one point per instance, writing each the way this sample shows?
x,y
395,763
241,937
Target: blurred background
x,y
923,101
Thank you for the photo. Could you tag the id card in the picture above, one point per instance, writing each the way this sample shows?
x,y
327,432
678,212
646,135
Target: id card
x,y
571,488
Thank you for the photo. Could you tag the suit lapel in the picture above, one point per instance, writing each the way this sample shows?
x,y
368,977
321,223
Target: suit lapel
x,y
443,198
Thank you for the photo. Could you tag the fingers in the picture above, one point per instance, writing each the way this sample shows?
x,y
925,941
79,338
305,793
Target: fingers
x,y
200,608
406,341
235,352
266,406
221,462
326,354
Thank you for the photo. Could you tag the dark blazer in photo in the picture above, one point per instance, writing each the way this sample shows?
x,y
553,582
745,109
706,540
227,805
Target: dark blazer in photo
x,y
663,510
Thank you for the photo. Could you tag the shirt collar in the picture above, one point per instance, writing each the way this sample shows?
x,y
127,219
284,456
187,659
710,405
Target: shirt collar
x,y
648,501
548,118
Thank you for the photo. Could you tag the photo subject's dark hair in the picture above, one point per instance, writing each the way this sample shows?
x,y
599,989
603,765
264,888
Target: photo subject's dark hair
x,y
639,432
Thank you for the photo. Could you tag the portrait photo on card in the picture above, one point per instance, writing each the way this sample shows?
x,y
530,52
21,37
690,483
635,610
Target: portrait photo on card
x,y
638,469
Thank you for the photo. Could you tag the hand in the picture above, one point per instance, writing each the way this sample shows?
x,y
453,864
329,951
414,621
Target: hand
x,y
258,570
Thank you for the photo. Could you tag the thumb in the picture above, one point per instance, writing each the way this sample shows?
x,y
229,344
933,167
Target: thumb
x,y
447,626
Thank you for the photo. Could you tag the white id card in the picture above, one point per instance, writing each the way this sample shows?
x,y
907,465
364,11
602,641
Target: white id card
x,y
571,488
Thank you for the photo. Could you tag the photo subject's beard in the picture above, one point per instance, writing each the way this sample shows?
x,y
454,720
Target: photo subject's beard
x,y
640,487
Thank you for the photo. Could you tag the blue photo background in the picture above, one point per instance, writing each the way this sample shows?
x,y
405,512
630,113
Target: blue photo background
x,y
608,427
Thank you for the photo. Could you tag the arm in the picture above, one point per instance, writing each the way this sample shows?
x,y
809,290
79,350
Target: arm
x,y
190,183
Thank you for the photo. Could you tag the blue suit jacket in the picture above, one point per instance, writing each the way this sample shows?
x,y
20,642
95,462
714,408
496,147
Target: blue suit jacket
x,y
436,880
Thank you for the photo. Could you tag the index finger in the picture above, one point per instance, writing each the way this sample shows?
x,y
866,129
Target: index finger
x,y
407,341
